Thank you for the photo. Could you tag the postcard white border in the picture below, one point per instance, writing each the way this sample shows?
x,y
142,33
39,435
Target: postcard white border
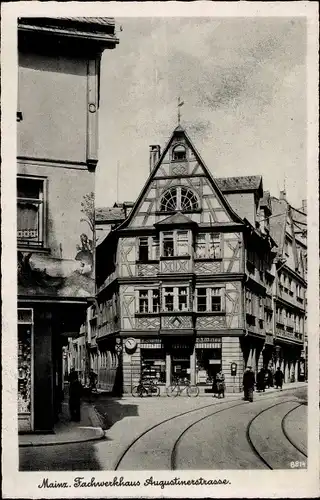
x,y
247,484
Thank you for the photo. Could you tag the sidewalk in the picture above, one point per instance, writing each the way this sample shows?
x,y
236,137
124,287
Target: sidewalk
x,y
66,431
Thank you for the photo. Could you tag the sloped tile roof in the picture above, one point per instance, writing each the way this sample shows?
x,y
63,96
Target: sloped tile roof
x,y
109,214
243,183
103,21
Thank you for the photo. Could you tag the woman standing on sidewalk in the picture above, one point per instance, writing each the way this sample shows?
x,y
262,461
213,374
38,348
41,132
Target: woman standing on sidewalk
x,y
221,386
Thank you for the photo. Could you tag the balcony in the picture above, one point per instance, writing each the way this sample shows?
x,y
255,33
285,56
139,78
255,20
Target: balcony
x,y
288,332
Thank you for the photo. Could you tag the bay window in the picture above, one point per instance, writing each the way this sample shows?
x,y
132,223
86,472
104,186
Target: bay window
x,y
175,243
176,298
148,300
208,246
210,299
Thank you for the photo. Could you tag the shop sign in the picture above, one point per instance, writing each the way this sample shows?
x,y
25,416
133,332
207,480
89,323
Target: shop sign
x,y
208,343
151,344
214,361
180,346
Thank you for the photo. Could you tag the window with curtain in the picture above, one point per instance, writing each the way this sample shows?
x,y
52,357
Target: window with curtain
x,y
30,216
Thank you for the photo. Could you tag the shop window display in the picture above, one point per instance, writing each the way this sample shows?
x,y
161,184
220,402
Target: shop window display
x,y
153,365
208,365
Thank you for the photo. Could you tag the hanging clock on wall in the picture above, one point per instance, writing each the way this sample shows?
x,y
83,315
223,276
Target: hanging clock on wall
x,y
130,345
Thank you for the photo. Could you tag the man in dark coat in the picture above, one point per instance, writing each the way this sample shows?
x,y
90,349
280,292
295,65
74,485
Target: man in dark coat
x,y
75,389
248,384
279,378
261,383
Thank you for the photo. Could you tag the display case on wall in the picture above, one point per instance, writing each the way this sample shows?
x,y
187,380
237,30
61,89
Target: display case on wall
x,y
25,370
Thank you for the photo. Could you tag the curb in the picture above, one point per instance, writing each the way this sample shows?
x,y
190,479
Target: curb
x,y
96,424
58,443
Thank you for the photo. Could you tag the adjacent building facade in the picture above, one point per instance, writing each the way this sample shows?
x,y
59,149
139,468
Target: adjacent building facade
x,y
289,228
188,279
58,101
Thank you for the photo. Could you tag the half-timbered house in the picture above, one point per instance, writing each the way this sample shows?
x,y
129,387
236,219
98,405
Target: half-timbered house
x,y
289,229
183,282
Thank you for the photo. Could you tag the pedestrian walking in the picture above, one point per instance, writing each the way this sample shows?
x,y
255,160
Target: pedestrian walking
x,y
261,380
268,378
278,377
248,384
221,387
75,390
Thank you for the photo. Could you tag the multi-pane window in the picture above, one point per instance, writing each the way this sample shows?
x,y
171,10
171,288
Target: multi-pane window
x,y
179,153
155,300
179,198
30,211
168,298
143,301
209,299
208,246
175,243
201,299
148,248
148,300
168,244
176,298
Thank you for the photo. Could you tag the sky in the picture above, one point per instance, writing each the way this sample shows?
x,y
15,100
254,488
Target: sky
x,y
243,83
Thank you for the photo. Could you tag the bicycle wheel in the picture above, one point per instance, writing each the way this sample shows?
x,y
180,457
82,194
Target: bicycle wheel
x,y
136,391
155,391
192,391
172,390
140,391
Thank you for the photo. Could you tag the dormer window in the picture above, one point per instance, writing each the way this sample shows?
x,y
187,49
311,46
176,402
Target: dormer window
x,y
179,199
179,153
175,243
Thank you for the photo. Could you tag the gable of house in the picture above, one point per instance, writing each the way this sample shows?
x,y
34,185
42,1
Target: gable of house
x,y
180,181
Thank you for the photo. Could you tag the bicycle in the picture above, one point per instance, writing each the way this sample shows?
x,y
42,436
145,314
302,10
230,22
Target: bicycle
x,y
146,388
179,386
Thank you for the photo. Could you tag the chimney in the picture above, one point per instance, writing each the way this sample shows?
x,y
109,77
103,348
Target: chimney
x,y
154,155
304,206
282,195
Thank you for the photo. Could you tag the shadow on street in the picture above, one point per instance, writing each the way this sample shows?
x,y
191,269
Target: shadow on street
x,y
111,410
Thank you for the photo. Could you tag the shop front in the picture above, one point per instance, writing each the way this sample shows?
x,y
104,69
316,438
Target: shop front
x,y
196,360
208,360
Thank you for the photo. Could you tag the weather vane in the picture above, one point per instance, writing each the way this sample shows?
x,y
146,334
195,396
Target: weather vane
x,y
180,103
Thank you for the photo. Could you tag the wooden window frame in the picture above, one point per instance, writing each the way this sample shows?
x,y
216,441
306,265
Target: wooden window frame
x,y
150,296
175,233
208,240
176,295
209,296
153,249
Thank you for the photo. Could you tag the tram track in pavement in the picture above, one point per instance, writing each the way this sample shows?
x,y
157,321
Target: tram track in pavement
x,y
255,447
173,455
287,434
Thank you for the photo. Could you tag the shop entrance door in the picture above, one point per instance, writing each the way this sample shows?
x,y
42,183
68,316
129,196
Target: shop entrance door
x,y
180,361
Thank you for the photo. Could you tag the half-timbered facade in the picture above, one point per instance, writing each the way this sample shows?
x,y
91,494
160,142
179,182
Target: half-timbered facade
x,y
289,229
185,278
